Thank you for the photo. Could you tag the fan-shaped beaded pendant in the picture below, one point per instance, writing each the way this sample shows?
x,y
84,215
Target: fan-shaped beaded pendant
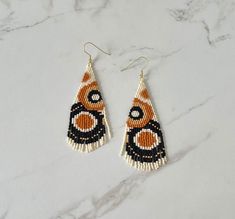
x,y
143,146
88,126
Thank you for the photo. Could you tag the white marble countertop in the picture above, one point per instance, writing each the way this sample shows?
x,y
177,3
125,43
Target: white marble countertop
x,y
191,47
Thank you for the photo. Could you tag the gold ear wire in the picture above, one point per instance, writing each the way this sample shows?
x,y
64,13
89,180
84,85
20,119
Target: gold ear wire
x,y
84,49
135,60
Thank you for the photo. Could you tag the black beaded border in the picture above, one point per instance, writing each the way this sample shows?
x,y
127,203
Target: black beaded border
x,y
89,137
142,155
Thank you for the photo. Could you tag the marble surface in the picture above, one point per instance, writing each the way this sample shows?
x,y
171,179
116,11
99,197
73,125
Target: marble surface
x,y
191,76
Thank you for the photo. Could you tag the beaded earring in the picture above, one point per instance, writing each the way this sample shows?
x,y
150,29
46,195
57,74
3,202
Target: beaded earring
x,y
88,126
143,146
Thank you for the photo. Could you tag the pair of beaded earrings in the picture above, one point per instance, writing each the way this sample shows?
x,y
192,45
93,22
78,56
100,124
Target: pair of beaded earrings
x,y
143,146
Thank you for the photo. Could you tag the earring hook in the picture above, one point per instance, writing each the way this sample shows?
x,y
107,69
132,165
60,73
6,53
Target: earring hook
x,y
135,60
84,49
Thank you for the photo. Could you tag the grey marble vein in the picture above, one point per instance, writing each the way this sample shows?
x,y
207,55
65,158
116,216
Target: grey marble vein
x,y
171,53
182,153
150,52
82,5
134,48
193,7
119,193
212,42
79,5
189,110
206,27
222,38
9,29
68,210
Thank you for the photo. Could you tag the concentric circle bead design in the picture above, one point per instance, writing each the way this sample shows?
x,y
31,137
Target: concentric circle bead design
x,y
88,97
87,125
145,114
143,146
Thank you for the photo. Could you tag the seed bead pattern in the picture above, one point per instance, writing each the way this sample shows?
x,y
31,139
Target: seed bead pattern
x,y
88,126
143,146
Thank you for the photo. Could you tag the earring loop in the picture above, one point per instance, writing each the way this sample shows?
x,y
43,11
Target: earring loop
x,y
135,60
85,51
88,126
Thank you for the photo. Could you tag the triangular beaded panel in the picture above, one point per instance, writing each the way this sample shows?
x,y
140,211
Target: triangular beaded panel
x,y
143,146
88,127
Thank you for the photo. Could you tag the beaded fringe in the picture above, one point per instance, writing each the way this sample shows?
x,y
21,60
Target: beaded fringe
x,y
86,148
145,166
